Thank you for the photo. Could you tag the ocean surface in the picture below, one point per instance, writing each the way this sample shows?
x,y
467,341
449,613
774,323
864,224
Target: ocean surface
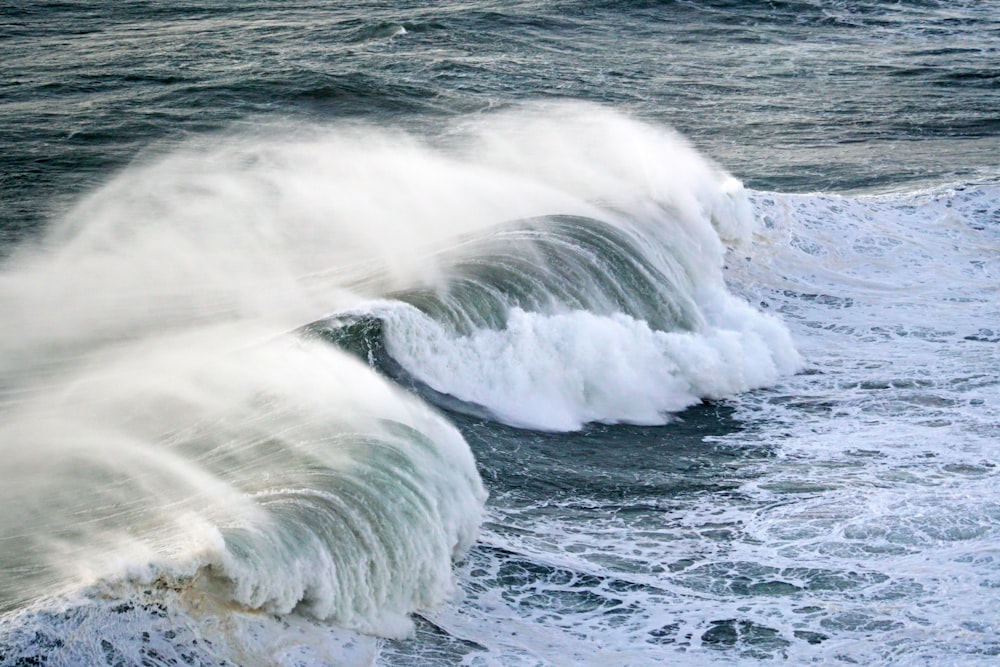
x,y
480,333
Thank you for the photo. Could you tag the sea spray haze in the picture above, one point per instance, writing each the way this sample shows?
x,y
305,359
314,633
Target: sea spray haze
x,y
168,430
704,294
613,310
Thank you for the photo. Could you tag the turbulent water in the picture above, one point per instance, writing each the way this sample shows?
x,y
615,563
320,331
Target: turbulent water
x,y
562,333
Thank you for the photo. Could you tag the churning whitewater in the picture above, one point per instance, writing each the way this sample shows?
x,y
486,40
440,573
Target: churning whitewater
x,y
191,439
609,303
520,334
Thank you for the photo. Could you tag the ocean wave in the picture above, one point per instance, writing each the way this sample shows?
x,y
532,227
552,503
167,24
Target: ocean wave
x,y
547,266
619,314
283,476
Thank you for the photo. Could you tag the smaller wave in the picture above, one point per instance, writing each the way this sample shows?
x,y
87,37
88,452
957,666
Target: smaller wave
x,y
377,31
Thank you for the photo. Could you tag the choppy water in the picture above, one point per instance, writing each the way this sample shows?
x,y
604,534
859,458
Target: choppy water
x,y
526,333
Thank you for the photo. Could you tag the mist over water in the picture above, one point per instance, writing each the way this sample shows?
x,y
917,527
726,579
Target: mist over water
x,y
540,334
197,439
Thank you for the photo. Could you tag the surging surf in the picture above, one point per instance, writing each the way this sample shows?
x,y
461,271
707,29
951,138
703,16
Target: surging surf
x,y
549,267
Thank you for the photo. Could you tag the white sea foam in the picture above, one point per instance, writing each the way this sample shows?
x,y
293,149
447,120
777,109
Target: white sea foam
x,y
558,372
562,368
855,515
157,624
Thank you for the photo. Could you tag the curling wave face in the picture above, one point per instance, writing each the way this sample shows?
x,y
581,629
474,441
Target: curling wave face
x,y
618,314
548,267
582,325
284,476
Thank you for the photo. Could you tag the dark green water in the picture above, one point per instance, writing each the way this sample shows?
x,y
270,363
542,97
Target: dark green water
x,y
790,95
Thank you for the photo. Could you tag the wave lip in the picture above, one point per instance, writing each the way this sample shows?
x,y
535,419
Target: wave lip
x,y
618,314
